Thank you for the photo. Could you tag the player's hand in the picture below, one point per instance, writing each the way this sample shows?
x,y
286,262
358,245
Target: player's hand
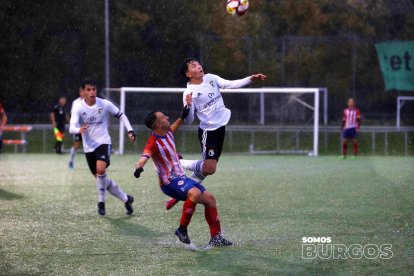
x,y
132,136
259,76
189,99
83,128
138,172
185,112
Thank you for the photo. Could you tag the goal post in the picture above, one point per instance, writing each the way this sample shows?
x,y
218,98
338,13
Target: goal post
x,y
296,91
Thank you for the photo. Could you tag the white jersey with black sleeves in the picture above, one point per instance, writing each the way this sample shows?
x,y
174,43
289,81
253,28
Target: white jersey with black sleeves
x,y
96,117
208,102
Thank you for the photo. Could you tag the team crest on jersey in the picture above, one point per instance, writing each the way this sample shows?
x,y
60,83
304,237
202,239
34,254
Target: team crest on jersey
x,y
100,110
212,83
211,152
181,182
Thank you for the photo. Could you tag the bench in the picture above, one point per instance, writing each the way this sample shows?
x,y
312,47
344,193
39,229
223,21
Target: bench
x,y
17,142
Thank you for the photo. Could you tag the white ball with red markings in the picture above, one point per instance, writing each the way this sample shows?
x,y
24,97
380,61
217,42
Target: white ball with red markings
x,y
237,7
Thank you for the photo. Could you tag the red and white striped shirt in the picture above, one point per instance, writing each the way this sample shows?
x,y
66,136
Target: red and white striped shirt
x,y
165,157
351,117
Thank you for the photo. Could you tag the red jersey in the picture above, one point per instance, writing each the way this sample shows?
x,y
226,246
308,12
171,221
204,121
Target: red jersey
x,y
165,157
351,117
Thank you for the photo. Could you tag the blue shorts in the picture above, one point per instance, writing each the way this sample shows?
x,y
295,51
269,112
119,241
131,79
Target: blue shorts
x,y
350,133
179,187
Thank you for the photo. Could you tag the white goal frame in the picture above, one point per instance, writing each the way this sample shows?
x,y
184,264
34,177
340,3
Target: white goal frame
x,y
400,103
294,90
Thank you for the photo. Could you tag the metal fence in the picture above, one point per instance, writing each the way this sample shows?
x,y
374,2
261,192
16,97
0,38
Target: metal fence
x,y
374,140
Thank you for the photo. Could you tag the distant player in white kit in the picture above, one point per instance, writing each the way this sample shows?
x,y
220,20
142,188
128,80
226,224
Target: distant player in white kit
x,y
93,113
209,106
77,138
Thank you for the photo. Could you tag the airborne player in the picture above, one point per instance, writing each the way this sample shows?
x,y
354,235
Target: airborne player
x,y
209,106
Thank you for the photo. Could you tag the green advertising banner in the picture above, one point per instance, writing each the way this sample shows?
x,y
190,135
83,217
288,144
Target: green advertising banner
x,y
397,64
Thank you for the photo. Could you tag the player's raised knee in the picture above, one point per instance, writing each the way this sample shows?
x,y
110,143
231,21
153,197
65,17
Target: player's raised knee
x,y
209,168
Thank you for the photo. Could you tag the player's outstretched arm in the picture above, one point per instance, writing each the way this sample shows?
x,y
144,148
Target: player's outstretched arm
x,y
232,84
184,114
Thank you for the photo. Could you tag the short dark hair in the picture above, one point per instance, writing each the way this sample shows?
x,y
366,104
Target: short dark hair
x,y
150,119
184,66
87,81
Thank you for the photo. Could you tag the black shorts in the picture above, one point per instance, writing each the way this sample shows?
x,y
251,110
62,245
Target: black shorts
x,y
211,142
77,137
102,153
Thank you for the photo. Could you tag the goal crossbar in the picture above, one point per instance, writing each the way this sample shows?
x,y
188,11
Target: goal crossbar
x,y
261,91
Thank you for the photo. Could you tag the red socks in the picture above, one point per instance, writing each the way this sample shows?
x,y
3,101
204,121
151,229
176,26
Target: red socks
x,y
188,211
213,221
344,148
355,148
211,215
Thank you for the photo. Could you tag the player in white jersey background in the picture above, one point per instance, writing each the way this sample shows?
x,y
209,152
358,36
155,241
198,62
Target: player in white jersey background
x,y
90,118
77,138
209,107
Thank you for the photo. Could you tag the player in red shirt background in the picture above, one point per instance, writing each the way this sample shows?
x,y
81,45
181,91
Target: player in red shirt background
x,y
351,121
3,123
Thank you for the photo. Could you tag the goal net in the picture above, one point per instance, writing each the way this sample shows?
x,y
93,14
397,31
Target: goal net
x,y
263,121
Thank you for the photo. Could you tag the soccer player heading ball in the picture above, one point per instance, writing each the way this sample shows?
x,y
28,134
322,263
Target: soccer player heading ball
x,y
208,104
173,181
93,112
351,121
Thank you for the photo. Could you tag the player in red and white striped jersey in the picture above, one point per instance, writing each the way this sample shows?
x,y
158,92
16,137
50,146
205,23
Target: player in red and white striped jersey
x,y
351,121
173,181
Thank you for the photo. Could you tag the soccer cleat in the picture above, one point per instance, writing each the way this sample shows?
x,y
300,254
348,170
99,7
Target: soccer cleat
x,y
353,157
182,235
101,208
71,165
218,240
170,203
343,157
128,205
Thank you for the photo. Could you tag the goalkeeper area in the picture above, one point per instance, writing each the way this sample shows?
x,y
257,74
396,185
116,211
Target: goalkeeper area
x,y
267,204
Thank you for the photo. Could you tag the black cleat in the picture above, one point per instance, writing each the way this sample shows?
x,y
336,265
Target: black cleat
x,y
101,208
182,235
218,240
128,205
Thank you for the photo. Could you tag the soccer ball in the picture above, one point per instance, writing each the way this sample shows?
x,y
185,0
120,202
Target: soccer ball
x,y
237,7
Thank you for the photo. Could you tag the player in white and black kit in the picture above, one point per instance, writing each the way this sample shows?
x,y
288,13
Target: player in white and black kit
x,y
93,113
77,138
208,104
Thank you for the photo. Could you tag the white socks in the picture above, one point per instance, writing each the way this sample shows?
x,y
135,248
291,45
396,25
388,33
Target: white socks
x,y
196,166
72,154
114,189
103,183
